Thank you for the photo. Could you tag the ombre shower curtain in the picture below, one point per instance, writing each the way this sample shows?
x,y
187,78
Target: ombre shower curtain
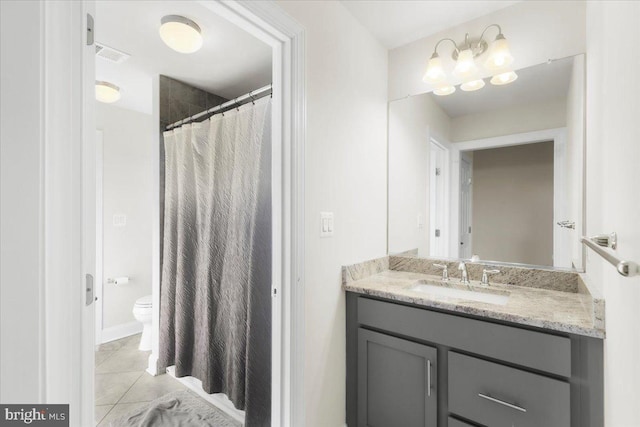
x,y
215,304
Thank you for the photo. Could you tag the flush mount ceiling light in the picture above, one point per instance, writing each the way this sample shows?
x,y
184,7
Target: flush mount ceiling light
x,y
180,34
107,92
498,60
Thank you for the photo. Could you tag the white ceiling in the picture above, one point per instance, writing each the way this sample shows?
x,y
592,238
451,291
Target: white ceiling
x,y
398,22
230,63
544,82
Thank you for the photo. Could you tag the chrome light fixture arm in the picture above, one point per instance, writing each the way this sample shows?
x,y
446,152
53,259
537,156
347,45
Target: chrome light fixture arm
x,y
499,36
435,49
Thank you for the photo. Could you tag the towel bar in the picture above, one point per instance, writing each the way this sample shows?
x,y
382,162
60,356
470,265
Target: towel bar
x,y
625,268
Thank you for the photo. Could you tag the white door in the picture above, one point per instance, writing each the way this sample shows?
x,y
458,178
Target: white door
x,y
466,180
437,208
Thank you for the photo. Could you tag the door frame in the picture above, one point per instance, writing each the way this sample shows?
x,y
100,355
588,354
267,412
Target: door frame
x,y
69,128
557,135
464,157
445,205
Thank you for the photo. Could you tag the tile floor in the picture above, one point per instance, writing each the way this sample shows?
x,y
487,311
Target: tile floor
x,y
122,384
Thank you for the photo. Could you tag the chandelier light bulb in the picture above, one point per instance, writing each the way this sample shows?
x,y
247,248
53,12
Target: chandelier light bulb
x,y
445,90
472,85
465,66
435,72
180,34
504,78
499,54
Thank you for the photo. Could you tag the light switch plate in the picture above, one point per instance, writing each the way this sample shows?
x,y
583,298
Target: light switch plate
x,y
326,224
119,220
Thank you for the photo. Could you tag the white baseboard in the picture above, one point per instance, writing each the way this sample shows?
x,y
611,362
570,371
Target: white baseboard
x,y
219,400
121,331
152,368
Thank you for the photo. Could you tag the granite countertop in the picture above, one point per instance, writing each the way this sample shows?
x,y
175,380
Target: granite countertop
x,y
575,311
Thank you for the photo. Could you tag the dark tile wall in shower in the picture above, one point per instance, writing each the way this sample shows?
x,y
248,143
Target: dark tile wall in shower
x,y
178,101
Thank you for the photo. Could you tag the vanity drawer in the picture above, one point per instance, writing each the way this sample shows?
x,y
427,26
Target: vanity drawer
x,y
537,350
500,396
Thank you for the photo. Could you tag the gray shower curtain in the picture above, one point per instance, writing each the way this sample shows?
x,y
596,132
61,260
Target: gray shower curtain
x,y
215,314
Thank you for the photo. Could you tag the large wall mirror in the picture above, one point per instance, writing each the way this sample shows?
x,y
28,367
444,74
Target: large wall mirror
x,y
497,172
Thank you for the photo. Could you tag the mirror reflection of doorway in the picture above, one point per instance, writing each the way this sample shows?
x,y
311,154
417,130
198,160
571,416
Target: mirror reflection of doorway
x,y
507,202
466,194
437,200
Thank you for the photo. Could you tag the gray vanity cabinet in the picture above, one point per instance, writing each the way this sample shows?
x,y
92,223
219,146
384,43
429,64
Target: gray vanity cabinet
x,y
408,365
396,382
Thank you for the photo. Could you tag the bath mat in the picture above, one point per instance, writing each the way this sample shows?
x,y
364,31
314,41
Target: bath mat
x,y
179,409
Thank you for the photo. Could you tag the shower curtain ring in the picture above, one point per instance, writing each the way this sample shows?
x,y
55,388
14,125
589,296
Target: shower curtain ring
x,y
237,106
253,101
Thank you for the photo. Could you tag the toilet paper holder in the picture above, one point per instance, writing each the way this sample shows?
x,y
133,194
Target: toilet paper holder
x,y
118,280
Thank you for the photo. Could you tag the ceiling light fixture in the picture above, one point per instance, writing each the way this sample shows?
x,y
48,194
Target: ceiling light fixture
x,y
180,34
107,92
466,69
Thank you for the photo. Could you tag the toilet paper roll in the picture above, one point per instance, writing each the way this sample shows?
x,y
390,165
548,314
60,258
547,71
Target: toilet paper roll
x,y
121,280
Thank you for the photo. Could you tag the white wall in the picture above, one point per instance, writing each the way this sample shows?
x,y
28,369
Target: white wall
x,y
127,189
613,199
20,200
412,121
346,163
533,28
509,121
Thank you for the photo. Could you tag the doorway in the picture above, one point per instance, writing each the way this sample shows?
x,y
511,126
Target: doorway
x,y
438,204
287,152
466,197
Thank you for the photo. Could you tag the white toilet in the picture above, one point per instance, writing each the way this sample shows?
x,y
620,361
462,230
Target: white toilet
x,y
142,311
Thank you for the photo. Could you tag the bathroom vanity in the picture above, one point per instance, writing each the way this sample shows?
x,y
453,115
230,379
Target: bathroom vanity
x,y
415,357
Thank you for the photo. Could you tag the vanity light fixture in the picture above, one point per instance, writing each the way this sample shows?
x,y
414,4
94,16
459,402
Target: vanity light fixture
x,y
466,69
180,34
504,78
107,92
472,85
444,90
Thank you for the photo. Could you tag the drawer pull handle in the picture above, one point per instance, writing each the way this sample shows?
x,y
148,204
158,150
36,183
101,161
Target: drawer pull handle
x,y
428,378
502,402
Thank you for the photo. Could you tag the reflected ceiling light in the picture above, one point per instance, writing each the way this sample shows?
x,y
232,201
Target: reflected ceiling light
x,y
180,34
107,92
445,90
504,78
497,63
472,85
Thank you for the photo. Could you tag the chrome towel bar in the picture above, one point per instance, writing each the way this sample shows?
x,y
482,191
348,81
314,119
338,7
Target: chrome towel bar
x,y
625,268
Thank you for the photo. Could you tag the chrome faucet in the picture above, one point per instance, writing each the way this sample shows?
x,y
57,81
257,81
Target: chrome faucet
x,y
485,276
464,278
445,271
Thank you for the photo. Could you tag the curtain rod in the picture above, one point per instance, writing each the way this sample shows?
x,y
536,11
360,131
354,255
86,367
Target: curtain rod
x,y
251,96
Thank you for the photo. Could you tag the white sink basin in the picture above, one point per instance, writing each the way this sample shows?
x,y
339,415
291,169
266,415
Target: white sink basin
x,y
464,294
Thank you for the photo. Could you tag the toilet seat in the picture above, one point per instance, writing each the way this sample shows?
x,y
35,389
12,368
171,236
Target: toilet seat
x,y
144,302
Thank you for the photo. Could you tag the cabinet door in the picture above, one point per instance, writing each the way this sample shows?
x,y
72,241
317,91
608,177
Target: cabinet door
x,y
397,384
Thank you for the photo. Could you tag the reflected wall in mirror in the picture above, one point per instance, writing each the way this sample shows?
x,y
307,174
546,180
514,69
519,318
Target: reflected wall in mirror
x,y
496,172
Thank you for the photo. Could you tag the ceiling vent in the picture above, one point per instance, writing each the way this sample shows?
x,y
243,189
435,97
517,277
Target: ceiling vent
x,y
110,54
